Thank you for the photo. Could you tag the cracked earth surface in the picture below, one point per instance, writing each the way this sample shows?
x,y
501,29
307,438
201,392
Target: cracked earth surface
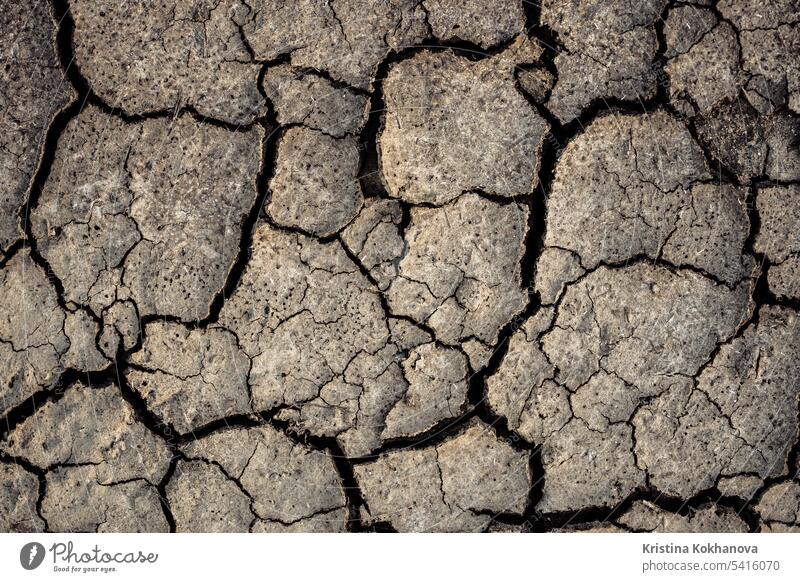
x,y
414,265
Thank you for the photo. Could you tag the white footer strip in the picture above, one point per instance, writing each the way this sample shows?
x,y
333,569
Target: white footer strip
x,y
356,557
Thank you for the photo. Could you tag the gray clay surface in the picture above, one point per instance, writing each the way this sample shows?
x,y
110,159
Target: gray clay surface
x,y
401,265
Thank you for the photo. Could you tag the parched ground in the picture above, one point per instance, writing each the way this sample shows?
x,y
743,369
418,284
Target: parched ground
x,y
401,265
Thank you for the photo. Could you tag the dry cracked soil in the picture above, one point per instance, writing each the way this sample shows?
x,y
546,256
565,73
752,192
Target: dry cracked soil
x,y
399,265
